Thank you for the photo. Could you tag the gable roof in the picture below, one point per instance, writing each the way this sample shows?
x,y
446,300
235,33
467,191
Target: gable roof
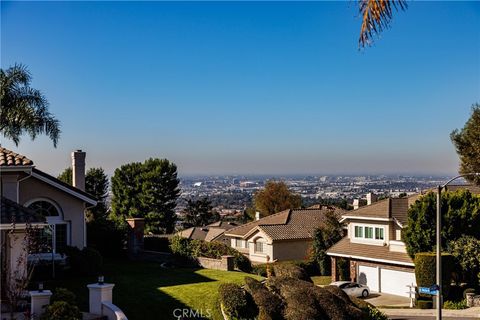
x,y
286,225
12,212
10,158
346,248
209,232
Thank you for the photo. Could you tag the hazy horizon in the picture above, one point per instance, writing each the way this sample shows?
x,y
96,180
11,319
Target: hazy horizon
x,y
248,88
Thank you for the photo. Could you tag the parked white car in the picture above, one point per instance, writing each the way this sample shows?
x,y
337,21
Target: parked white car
x,y
353,288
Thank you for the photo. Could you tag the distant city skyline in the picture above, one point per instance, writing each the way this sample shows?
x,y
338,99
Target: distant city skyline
x,y
248,87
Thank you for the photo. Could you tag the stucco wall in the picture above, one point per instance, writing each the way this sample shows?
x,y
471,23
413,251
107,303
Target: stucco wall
x,y
291,250
72,208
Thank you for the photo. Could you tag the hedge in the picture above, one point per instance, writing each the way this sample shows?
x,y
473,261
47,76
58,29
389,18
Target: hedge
x,y
425,270
269,304
198,248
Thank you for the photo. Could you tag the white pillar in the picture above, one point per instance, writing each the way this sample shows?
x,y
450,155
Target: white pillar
x,y
99,293
39,301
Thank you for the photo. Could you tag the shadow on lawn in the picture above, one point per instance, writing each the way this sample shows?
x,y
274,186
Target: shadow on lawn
x,y
137,291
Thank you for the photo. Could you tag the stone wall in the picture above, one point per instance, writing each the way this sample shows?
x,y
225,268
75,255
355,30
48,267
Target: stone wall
x,y
473,300
225,263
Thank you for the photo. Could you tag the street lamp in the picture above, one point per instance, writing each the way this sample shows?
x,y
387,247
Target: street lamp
x,y
439,239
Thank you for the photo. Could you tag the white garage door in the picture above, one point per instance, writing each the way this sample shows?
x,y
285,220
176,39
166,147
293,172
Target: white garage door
x,y
395,282
368,276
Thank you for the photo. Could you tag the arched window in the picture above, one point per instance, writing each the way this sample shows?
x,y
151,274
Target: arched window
x,y
57,234
45,208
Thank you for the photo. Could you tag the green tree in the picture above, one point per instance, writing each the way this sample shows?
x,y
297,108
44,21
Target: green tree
x,y
324,237
66,176
199,213
148,190
96,184
24,109
460,215
275,197
466,142
466,251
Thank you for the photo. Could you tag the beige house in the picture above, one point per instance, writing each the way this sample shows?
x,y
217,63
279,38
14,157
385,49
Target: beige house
x,y
212,232
30,196
286,235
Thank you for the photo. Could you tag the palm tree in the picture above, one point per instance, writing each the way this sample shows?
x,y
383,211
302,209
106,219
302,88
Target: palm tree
x,y
376,16
24,109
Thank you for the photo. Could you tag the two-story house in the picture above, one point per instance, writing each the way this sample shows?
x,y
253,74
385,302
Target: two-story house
x,y
374,248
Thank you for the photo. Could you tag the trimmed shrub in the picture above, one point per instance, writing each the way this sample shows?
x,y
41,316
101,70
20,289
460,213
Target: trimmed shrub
x,y
338,292
61,310
62,294
455,305
375,314
159,244
270,305
306,301
361,304
236,302
424,304
425,266
291,271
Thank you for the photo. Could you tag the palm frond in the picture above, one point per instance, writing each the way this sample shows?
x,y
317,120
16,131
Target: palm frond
x,y
376,16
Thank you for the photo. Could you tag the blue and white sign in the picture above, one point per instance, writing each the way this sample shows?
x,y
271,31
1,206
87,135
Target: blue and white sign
x,y
433,290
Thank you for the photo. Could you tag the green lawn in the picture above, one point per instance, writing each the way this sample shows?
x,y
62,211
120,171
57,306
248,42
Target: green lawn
x,y
322,280
144,290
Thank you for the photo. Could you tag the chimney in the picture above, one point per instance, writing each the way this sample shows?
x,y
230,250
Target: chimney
x,y
371,198
257,215
78,169
356,204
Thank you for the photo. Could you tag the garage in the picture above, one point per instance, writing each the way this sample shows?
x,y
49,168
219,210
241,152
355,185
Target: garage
x,y
369,276
396,282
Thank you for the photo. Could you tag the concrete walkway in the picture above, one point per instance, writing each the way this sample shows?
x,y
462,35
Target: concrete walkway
x,y
470,313
387,300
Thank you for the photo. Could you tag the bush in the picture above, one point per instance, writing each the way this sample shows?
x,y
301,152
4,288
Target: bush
x,y
270,305
62,294
260,269
84,262
425,266
153,243
338,292
424,304
455,305
310,267
236,302
61,310
375,314
291,271
468,290
198,248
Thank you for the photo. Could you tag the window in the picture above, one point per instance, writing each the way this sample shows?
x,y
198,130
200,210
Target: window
x,y
238,243
379,233
368,232
258,246
55,236
358,232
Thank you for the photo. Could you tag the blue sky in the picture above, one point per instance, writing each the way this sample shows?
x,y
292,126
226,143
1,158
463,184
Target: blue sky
x,y
248,87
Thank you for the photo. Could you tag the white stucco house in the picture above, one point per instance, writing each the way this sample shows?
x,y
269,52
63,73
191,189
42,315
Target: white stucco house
x,y
286,235
32,197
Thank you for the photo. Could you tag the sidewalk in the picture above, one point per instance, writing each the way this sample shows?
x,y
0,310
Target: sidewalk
x,y
466,313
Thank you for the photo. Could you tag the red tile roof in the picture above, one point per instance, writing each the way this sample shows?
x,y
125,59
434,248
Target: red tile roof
x,y
10,158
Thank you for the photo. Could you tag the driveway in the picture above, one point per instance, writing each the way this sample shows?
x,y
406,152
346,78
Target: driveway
x,y
387,300
413,314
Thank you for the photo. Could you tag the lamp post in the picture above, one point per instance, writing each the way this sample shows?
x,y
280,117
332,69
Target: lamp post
x,y
439,240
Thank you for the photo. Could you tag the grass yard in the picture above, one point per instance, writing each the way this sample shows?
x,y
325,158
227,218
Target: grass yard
x,y
322,280
144,290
